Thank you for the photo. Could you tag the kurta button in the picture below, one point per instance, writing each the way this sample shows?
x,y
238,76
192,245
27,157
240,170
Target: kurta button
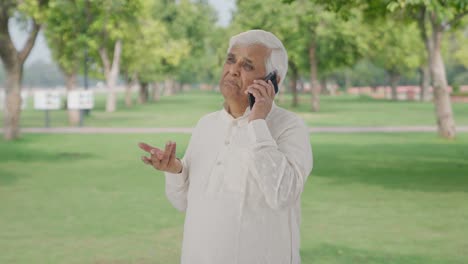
x,y
226,142
218,162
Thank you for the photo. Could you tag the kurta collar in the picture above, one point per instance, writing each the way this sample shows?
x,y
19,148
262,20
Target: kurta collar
x,y
244,119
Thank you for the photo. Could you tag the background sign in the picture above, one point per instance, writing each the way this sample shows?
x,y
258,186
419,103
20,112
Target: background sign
x,y
83,99
47,100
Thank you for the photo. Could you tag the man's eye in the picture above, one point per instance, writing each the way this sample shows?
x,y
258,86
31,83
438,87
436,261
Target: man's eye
x,y
248,67
230,60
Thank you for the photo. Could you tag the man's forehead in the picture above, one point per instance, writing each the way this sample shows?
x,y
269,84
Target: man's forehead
x,y
250,52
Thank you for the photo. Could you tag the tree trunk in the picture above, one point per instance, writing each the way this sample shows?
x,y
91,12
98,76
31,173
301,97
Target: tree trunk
x,y
169,86
323,86
394,80
111,72
177,87
13,61
443,105
347,79
130,81
144,93
315,86
12,110
425,68
293,83
424,82
73,114
128,94
156,92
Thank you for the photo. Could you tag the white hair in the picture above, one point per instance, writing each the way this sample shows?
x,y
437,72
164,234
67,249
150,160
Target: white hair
x,y
278,58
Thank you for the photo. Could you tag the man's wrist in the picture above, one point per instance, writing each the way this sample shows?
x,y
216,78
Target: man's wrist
x,y
181,166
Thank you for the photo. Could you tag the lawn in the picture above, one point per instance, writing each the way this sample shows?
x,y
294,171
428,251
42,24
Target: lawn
x,y
344,110
371,198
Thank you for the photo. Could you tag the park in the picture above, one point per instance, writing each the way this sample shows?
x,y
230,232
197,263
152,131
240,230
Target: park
x,y
390,177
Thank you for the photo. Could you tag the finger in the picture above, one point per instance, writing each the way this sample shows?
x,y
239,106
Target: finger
x,y
271,89
156,162
146,147
255,92
167,153
146,160
268,87
261,90
173,151
157,153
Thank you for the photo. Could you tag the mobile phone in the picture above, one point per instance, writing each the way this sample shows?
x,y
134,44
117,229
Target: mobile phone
x,y
272,77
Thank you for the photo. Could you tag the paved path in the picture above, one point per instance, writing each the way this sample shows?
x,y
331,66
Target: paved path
x,y
187,130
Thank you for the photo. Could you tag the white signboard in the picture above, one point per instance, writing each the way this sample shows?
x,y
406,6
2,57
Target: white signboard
x,y
46,100
83,99
24,100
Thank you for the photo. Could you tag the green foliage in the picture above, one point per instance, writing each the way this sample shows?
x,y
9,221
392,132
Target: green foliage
x,y
148,46
195,22
34,9
66,33
396,47
109,21
340,43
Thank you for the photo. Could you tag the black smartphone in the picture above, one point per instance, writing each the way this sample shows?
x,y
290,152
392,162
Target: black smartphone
x,y
272,77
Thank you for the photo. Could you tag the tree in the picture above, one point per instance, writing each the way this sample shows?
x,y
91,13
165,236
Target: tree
x,y
65,33
318,42
396,48
109,23
32,12
149,48
434,18
192,22
281,20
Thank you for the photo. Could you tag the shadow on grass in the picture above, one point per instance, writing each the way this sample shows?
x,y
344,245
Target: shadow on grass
x,y
19,151
7,177
327,253
431,167
33,155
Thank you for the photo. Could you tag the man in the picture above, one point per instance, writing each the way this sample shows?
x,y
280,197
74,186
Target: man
x,y
240,180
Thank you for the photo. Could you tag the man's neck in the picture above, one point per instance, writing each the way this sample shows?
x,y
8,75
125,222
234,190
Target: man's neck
x,y
236,110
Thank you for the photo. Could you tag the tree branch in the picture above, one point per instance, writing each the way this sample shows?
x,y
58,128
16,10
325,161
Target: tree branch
x,y
117,52
105,61
23,54
457,18
422,24
8,51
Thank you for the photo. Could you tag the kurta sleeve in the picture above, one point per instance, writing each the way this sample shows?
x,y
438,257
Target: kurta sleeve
x,y
177,184
280,167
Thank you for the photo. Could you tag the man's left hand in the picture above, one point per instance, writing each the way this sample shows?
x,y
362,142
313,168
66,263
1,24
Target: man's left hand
x,y
264,94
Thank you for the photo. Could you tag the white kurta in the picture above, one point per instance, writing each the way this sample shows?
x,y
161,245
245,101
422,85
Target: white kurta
x,y
240,188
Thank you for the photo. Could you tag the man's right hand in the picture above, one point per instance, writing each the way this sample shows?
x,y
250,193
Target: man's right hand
x,y
163,160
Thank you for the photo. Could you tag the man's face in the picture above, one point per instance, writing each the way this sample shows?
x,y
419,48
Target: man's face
x,y
243,65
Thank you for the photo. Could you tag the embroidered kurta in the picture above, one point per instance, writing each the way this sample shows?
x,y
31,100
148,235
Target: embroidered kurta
x,y
240,189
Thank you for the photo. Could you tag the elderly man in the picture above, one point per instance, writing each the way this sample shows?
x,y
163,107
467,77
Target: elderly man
x,y
240,180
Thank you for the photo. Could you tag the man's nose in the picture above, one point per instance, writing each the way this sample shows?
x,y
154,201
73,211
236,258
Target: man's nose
x,y
234,69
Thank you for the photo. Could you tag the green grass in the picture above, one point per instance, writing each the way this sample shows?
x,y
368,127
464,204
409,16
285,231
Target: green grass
x,y
372,198
184,110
